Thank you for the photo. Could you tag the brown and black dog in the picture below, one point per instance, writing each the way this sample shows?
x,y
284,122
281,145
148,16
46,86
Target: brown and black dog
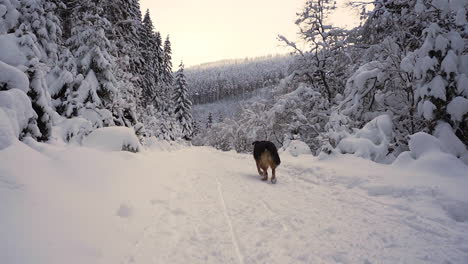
x,y
266,156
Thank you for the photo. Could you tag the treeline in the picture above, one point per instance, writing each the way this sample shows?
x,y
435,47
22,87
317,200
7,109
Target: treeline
x,y
215,81
97,61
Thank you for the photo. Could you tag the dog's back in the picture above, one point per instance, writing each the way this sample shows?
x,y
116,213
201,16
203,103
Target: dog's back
x,y
266,152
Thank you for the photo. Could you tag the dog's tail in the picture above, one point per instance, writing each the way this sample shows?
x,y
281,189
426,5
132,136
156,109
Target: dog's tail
x,y
274,154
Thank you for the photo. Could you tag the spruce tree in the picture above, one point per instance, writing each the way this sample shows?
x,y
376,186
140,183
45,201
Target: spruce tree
x,y
39,31
96,84
125,17
209,122
167,62
183,105
150,69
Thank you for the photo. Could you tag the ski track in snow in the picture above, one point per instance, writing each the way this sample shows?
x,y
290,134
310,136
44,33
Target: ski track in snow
x,y
205,206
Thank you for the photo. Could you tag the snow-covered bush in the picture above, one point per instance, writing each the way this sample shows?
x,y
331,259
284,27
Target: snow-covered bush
x,y
16,113
430,153
11,77
8,15
374,141
97,117
113,139
12,51
73,130
295,148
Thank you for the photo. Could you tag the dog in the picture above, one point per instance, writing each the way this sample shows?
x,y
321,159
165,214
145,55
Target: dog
x,y
266,156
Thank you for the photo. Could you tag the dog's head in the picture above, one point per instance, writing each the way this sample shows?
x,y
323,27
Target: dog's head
x,y
255,142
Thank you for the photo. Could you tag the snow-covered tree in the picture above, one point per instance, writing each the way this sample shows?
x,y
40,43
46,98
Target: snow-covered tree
x,y
326,43
96,87
150,46
209,121
167,62
439,68
9,15
125,16
39,31
183,105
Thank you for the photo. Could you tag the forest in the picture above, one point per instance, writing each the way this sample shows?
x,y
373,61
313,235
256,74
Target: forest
x,y
367,90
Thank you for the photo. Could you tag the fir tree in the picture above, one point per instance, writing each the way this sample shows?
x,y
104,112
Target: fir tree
x,y
209,122
150,70
39,31
167,63
96,84
183,105
125,16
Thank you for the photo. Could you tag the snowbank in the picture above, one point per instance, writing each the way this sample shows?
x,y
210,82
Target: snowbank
x,y
296,148
371,142
113,139
153,143
15,112
444,147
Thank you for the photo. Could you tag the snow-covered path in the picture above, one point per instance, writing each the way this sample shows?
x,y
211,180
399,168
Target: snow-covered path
x,y
198,205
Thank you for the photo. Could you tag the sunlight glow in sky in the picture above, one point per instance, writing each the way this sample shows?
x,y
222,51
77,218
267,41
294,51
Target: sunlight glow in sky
x,y
211,30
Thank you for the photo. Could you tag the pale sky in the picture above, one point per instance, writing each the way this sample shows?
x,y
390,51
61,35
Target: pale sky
x,y
211,30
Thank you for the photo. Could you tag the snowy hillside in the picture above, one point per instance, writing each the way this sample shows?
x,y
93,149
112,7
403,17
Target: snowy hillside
x,y
179,204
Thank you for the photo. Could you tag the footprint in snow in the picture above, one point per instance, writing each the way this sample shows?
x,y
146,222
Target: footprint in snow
x,y
124,211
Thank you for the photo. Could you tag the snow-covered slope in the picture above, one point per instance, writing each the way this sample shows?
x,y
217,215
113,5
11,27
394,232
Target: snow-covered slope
x,y
197,205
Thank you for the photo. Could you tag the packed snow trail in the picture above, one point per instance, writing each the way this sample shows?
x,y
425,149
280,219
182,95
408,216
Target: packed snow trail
x,y
199,205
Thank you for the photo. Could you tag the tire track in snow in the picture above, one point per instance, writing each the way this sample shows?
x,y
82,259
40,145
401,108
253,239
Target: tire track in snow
x,y
228,220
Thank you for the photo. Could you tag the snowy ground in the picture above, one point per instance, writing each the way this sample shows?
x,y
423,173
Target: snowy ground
x,y
197,205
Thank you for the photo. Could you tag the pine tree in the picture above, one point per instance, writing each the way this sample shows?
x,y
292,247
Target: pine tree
x,y
150,70
39,31
209,122
167,63
125,16
96,85
183,105
441,82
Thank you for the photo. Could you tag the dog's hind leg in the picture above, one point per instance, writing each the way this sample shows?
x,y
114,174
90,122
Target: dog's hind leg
x,y
258,168
273,175
265,174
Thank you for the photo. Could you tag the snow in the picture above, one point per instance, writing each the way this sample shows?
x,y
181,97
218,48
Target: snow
x,y
462,85
12,53
295,148
113,139
451,143
372,141
437,88
450,63
427,109
422,143
7,133
458,108
88,88
460,19
8,15
72,130
197,205
13,77
15,112
98,117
